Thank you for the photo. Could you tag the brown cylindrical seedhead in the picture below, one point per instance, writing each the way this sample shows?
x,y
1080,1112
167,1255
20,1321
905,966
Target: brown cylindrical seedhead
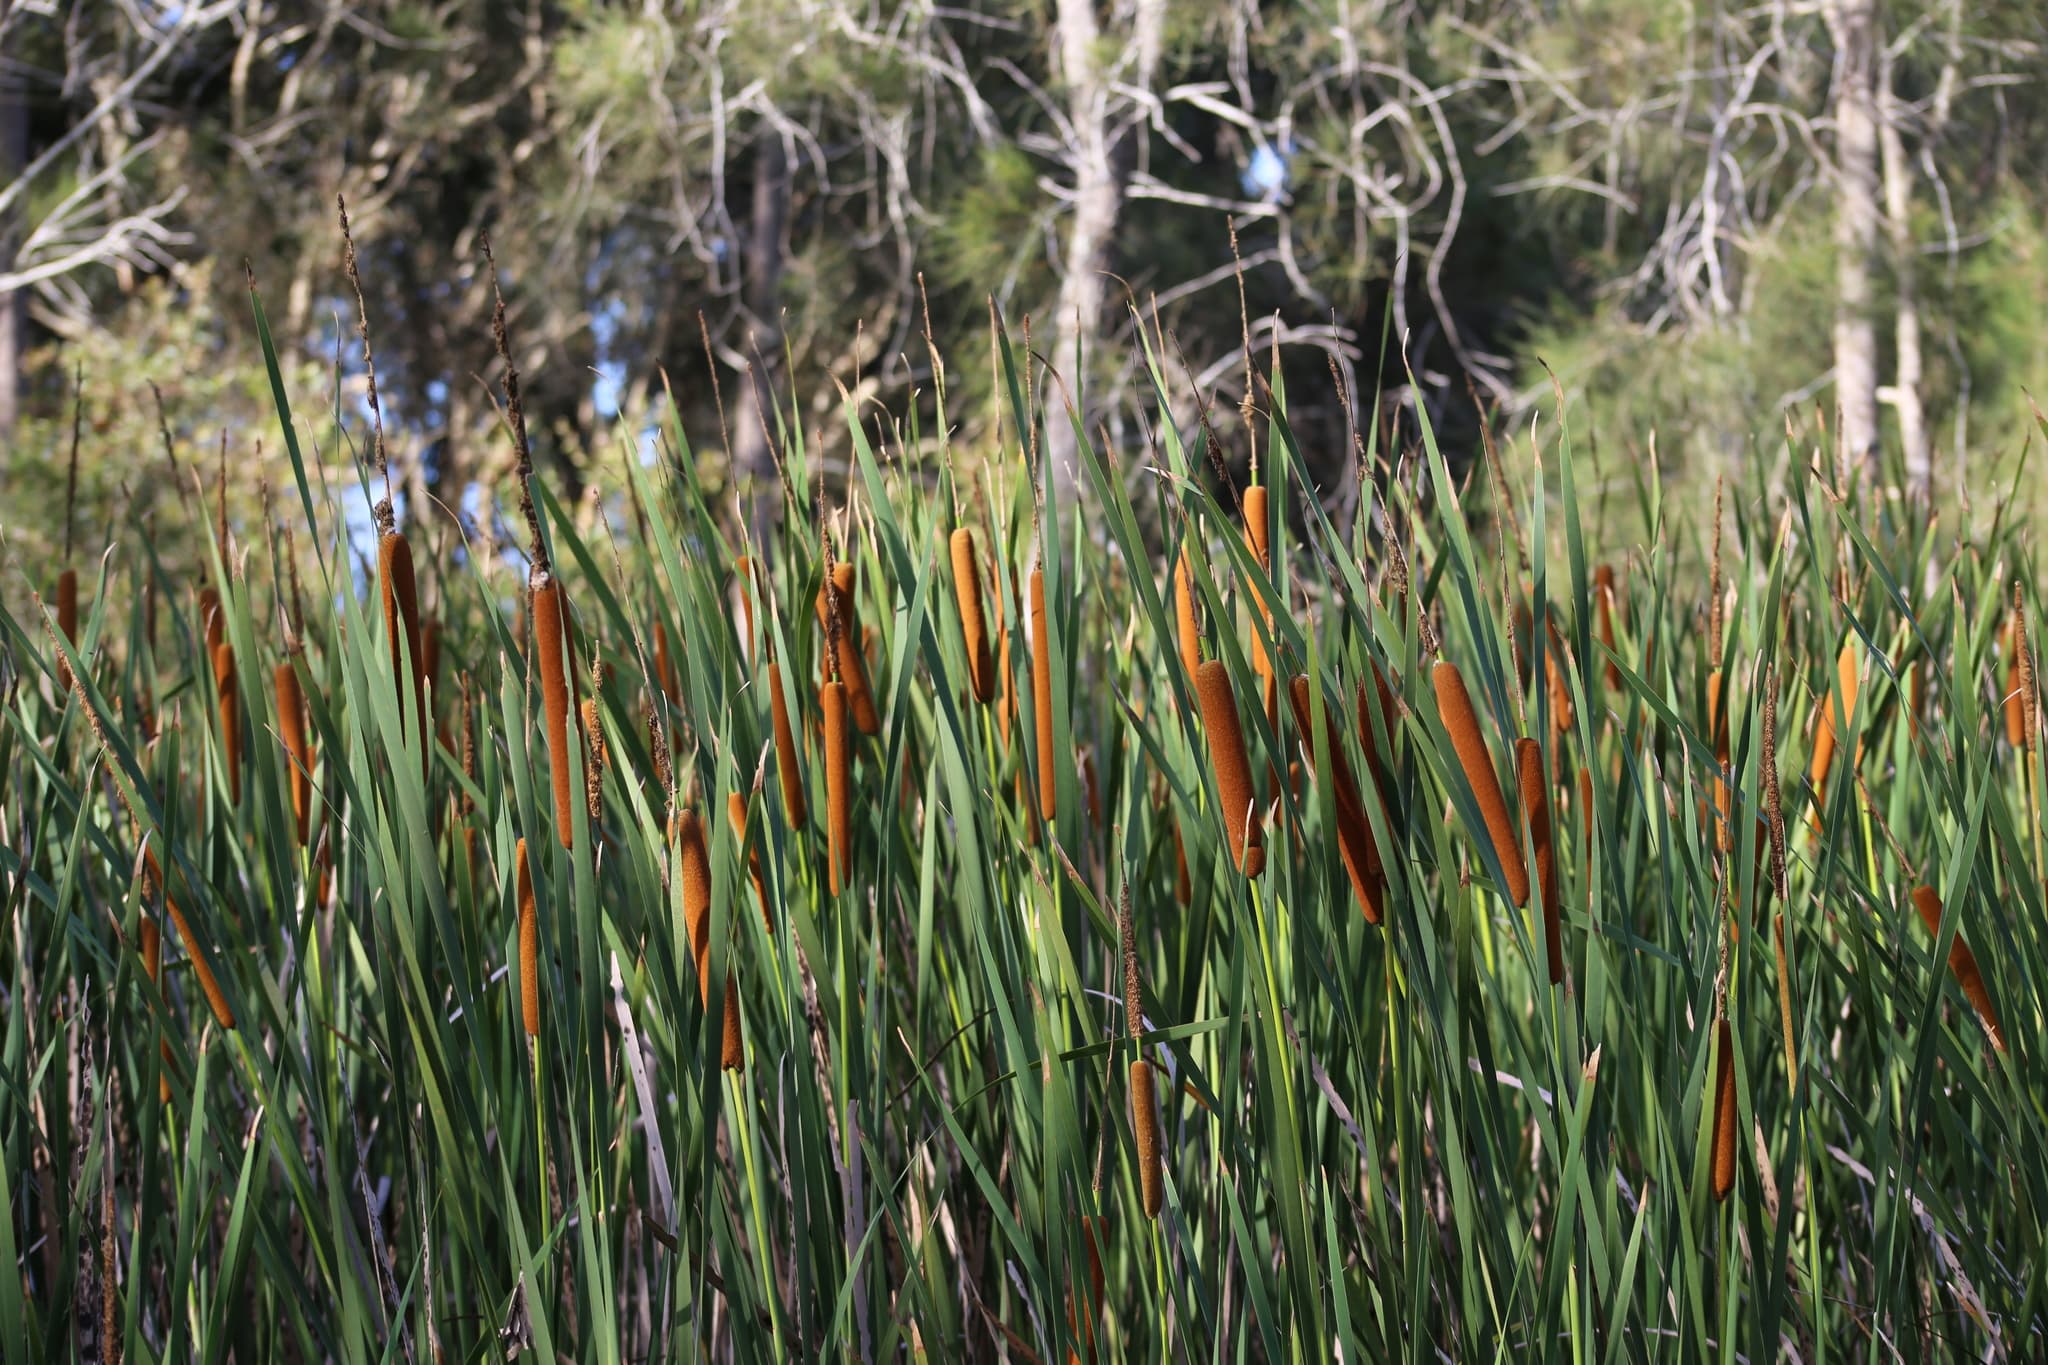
x,y
694,858
1355,844
981,668
1145,1128
402,629
794,809
1041,699
1724,1109
291,727
1534,786
1825,739
1461,720
853,668
529,945
550,610
230,717
1187,634
838,785
216,1000
1232,767
1962,963
1257,530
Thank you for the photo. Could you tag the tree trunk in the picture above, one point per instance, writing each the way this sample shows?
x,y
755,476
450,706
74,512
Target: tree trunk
x,y
1101,164
752,457
1905,390
13,156
1854,25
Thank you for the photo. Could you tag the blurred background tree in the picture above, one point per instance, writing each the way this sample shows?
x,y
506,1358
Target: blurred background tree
x,y
1701,218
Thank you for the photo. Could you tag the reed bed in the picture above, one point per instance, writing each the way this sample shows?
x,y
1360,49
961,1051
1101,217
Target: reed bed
x,y
980,1082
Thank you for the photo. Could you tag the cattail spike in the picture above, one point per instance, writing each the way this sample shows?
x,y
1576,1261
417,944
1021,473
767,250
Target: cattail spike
x,y
1962,963
1145,1128
1232,767
794,809
1454,706
1534,785
1187,633
225,703
291,725
973,623
1041,699
550,608
832,701
1355,845
529,945
1724,1109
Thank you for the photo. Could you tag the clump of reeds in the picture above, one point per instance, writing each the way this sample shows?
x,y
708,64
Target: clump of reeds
x,y
694,861
1232,766
1533,783
1724,1109
1355,845
981,669
529,945
1461,720
1962,963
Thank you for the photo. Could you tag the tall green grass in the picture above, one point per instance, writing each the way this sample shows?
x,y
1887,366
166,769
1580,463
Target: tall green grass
x,y
1396,1142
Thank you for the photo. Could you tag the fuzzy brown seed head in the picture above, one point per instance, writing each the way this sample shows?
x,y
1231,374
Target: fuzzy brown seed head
x,y
1232,766
1962,963
1257,530
981,669
291,728
1355,844
216,999
736,816
1145,1129
529,945
1461,720
550,610
832,701
402,625
1724,1109
67,621
229,711
836,605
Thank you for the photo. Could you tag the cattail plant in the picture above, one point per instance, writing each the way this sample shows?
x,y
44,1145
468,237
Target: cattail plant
x,y
1231,765
664,666
1041,699
225,705
1724,1109
794,809
1355,845
1785,1002
549,610
1962,963
836,599
529,945
1454,706
1257,533
832,701
1144,1094
973,623
291,726
216,999
1533,783
1825,739
743,577
694,863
